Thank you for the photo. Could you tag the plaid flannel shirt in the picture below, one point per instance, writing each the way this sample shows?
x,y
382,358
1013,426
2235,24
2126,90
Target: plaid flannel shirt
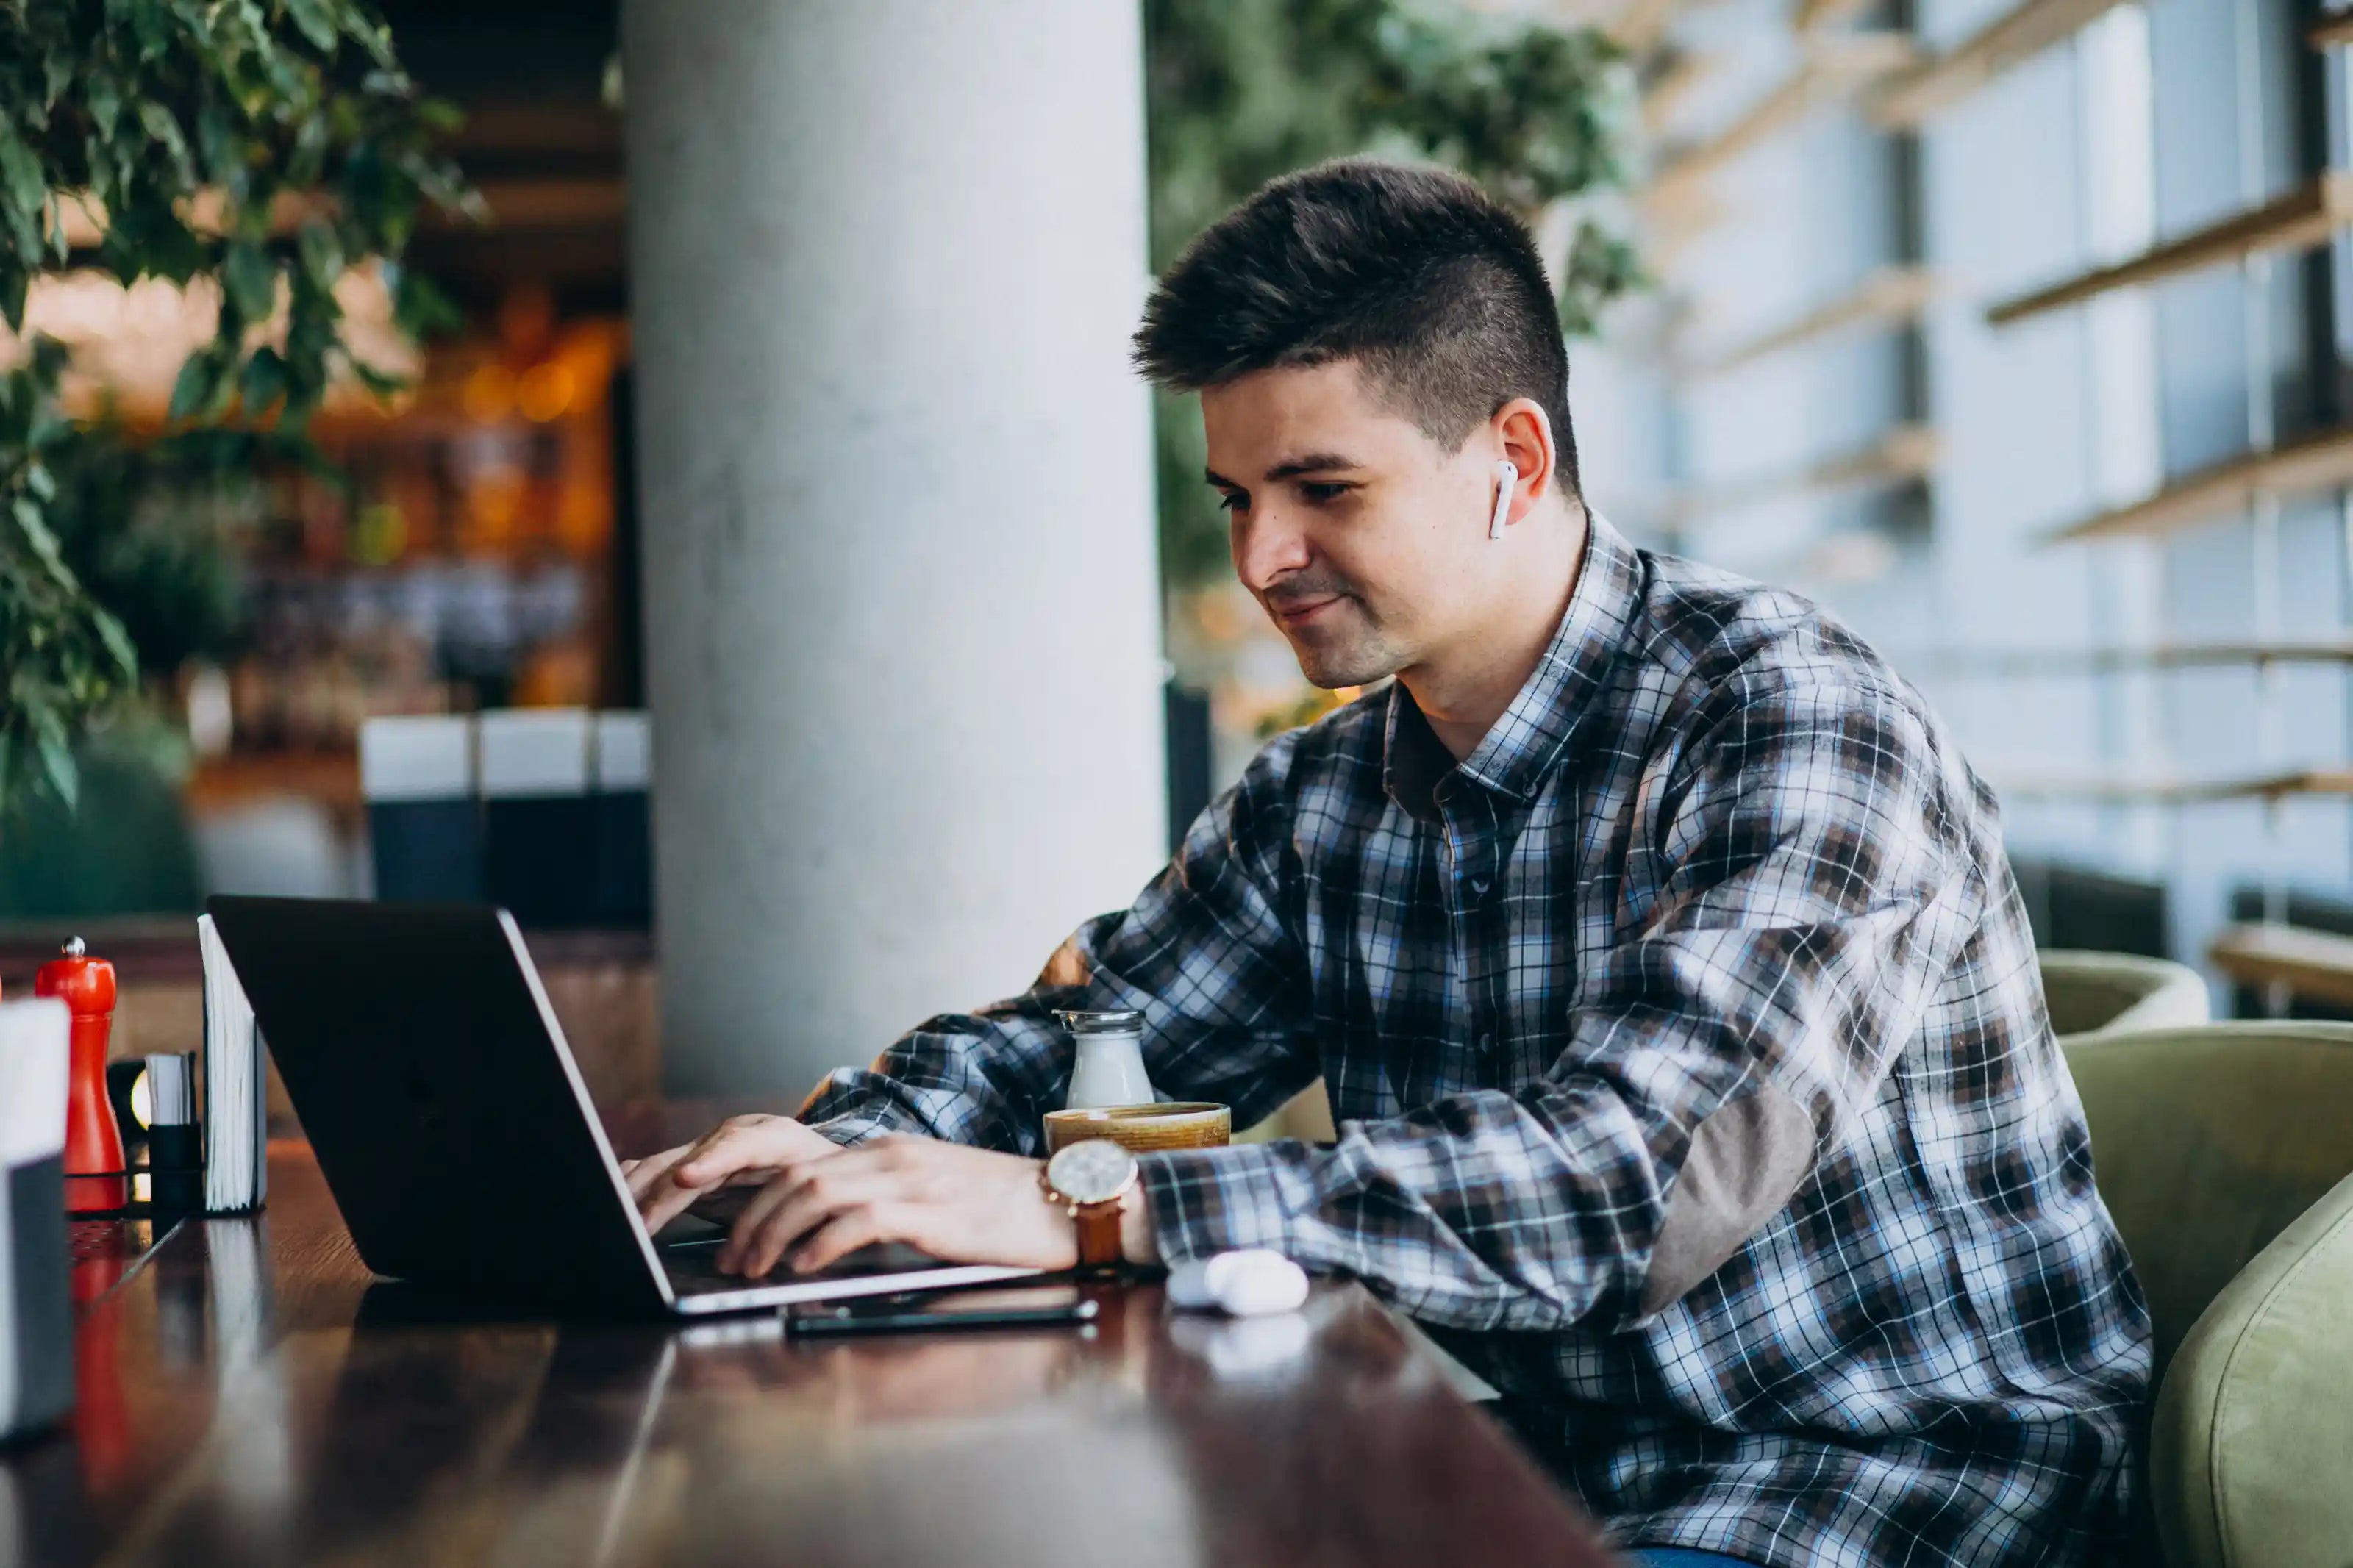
x,y
1691,1074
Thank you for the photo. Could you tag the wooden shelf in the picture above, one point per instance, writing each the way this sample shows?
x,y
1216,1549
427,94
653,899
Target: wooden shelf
x,y
1906,453
2017,34
2315,463
1890,297
2311,963
1811,16
2331,30
1836,66
1671,88
1968,662
556,205
1639,27
2299,220
2128,788
1673,229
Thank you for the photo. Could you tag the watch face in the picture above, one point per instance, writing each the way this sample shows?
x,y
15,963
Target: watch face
x,y
1091,1172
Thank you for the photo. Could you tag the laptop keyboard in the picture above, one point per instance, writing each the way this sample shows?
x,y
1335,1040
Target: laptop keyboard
x,y
693,1270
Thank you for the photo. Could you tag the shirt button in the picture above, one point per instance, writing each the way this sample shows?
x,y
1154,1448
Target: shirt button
x,y
1478,884
1486,1042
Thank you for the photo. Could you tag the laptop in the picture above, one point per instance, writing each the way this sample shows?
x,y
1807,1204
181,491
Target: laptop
x,y
453,1128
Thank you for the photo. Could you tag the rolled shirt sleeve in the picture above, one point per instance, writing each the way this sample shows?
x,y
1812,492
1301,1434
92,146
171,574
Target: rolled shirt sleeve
x,y
1203,954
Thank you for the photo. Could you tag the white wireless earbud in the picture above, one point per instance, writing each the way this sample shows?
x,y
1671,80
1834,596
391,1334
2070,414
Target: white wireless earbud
x,y
1507,482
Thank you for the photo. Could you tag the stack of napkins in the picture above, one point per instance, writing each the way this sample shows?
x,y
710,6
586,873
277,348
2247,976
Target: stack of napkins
x,y
36,1358
236,1090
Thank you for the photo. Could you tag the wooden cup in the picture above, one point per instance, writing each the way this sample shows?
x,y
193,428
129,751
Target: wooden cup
x,y
1178,1125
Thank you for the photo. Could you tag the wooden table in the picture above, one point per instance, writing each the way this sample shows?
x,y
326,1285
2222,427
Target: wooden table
x,y
249,1397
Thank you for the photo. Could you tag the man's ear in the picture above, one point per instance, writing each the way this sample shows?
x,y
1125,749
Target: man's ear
x,y
1523,436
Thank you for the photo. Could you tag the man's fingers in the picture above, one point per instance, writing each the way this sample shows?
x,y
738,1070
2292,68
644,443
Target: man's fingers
x,y
643,1173
719,1202
727,1148
798,1202
665,1193
762,1204
844,1234
794,1204
740,1142
742,1150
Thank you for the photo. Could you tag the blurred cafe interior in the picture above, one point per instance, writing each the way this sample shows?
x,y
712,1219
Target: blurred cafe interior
x,y
759,569
2035,386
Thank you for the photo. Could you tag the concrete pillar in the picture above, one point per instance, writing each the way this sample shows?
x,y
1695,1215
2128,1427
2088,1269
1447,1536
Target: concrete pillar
x,y
902,623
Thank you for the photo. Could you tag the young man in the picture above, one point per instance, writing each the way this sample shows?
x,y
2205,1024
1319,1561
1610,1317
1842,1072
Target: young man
x,y
1655,944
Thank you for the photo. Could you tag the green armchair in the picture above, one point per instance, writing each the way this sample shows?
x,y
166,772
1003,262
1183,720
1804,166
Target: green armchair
x,y
2225,1154
2091,992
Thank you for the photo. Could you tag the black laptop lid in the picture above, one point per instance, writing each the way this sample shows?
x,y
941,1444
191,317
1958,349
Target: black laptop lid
x,y
431,1087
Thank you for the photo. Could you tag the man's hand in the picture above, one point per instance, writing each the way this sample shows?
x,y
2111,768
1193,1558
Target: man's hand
x,y
961,1205
715,1175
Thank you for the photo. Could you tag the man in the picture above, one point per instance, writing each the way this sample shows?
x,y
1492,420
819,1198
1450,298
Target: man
x,y
1655,943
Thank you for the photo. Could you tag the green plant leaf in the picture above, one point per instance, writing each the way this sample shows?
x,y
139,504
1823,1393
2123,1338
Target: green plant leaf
x,y
56,756
57,73
382,383
309,157
21,174
43,541
317,23
15,283
151,27
192,389
216,142
104,101
250,280
117,641
150,237
323,253
262,383
159,124
420,309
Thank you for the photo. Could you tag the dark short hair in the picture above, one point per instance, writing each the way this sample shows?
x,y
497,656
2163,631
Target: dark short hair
x,y
1417,274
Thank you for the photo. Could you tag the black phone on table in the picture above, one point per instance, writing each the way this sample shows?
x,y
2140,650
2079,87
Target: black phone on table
x,y
1025,1307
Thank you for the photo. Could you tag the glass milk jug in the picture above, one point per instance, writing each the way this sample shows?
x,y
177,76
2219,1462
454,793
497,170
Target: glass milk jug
x,y
1110,1066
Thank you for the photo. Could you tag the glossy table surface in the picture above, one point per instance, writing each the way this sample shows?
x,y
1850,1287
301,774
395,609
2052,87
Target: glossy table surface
x,y
248,1395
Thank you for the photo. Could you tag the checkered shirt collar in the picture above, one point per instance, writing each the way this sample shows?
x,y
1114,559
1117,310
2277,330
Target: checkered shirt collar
x,y
1523,745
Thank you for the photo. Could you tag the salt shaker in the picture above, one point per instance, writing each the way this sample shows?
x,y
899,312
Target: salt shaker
x,y
1110,1066
93,1142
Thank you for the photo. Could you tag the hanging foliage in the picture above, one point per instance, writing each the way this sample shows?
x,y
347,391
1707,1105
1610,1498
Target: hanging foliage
x,y
248,151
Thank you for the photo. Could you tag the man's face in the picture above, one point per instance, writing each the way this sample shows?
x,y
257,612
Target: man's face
x,y
1359,534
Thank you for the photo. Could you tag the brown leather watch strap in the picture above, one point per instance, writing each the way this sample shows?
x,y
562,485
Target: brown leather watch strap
x,y
1098,1234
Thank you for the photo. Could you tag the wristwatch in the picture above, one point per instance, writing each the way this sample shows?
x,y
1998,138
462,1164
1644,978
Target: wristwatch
x,y
1087,1180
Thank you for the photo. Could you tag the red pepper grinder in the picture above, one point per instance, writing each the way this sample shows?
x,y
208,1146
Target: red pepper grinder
x,y
93,1142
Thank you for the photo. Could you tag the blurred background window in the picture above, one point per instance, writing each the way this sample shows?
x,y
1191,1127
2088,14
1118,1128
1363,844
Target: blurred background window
x,y
2021,348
